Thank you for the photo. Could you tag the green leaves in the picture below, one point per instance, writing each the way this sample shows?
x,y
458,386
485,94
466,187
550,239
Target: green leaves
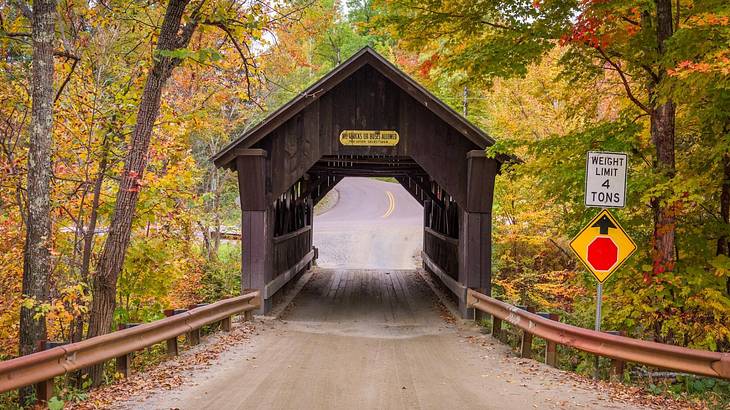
x,y
54,403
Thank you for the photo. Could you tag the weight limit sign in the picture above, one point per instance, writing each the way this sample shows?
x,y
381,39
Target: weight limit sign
x,y
606,179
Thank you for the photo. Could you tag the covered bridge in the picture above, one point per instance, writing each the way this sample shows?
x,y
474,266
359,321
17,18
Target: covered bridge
x,y
364,118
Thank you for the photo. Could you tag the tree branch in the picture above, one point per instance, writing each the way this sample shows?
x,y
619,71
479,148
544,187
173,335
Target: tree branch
x,y
24,8
625,82
65,81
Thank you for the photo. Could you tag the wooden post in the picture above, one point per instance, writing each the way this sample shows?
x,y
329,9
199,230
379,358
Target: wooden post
x,y
496,328
173,348
617,366
475,226
226,324
193,337
44,389
551,348
474,255
526,343
124,365
257,223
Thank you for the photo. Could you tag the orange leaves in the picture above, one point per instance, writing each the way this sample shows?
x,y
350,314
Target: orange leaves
x,y
717,64
707,20
586,31
425,67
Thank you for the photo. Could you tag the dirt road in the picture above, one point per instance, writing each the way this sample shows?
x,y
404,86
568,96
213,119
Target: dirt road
x,y
373,338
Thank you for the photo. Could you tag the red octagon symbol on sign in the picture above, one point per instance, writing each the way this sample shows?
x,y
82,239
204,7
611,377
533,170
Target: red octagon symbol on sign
x,y
602,253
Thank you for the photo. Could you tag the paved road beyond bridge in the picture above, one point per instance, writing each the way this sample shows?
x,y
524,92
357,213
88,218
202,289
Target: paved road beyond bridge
x,y
373,339
374,225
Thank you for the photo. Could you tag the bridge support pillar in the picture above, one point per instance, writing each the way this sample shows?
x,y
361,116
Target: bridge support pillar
x,y
257,225
257,249
475,227
475,251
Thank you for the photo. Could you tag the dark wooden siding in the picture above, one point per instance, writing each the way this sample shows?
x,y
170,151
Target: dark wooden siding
x,y
368,100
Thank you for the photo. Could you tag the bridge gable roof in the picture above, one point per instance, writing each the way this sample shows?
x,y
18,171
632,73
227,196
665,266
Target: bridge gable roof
x,y
366,56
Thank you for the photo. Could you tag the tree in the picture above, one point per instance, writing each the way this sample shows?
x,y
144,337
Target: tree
x,y
37,257
174,35
181,21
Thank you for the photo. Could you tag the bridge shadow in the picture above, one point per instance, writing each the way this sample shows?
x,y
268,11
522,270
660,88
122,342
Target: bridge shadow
x,y
366,303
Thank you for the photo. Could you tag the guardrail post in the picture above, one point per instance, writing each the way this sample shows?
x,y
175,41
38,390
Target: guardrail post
x,y
617,366
551,348
496,327
171,344
124,363
193,337
226,324
526,344
44,389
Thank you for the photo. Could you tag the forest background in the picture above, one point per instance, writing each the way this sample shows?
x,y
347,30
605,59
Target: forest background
x,y
549,80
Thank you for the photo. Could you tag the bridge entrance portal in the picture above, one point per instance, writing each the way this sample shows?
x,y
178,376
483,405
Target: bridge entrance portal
x,y
365,118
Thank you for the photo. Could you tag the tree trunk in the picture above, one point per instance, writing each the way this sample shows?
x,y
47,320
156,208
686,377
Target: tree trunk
x,y
37,258
90,232
723,245
662,134
112,256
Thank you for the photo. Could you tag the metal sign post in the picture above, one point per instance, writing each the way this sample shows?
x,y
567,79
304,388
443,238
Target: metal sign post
x,y
599,300
599,297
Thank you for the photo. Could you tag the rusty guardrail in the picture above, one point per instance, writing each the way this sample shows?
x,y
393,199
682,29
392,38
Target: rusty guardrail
x,y
45,365
627,349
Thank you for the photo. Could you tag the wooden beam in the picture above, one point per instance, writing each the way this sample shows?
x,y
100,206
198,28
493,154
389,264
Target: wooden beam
x,y
284,278
328,160
365,173
403,180
427,190
362,167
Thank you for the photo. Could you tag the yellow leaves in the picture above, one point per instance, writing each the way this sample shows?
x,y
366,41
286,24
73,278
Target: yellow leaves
x,y
708,19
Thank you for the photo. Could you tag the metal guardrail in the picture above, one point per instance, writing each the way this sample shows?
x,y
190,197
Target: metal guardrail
x,y
45,365
700,362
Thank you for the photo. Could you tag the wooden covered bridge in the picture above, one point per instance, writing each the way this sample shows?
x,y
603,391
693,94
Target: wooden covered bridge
x,y
364,118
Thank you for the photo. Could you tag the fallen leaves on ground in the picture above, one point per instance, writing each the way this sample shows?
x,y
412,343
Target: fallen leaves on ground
x,y
615,392
169,374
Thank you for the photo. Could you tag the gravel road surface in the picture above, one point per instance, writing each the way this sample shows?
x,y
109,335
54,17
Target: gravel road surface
x,y
366,334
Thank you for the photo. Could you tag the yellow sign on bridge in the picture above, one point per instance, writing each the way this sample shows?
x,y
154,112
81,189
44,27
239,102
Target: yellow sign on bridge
x,y
369,138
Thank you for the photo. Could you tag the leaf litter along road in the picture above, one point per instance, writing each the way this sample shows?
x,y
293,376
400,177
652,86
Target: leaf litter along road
x,y
366,338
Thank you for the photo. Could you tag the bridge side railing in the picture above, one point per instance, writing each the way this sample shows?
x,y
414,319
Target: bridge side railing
x,y
700,362
443,251
290,248
39,368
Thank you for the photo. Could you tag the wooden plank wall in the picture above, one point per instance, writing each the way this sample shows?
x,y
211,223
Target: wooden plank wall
x,y
368,100
290,248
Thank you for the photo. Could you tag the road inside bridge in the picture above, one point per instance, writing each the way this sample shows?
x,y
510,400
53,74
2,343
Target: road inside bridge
x,y
373,338
374,225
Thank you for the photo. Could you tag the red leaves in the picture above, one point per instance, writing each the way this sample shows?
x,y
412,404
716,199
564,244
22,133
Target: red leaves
x,y
585,31
425,68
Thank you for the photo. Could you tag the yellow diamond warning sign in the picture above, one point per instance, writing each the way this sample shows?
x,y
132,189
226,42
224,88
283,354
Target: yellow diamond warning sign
x,y
603,246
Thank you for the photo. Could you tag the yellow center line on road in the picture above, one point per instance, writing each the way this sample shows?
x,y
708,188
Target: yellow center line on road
x,y
391,204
